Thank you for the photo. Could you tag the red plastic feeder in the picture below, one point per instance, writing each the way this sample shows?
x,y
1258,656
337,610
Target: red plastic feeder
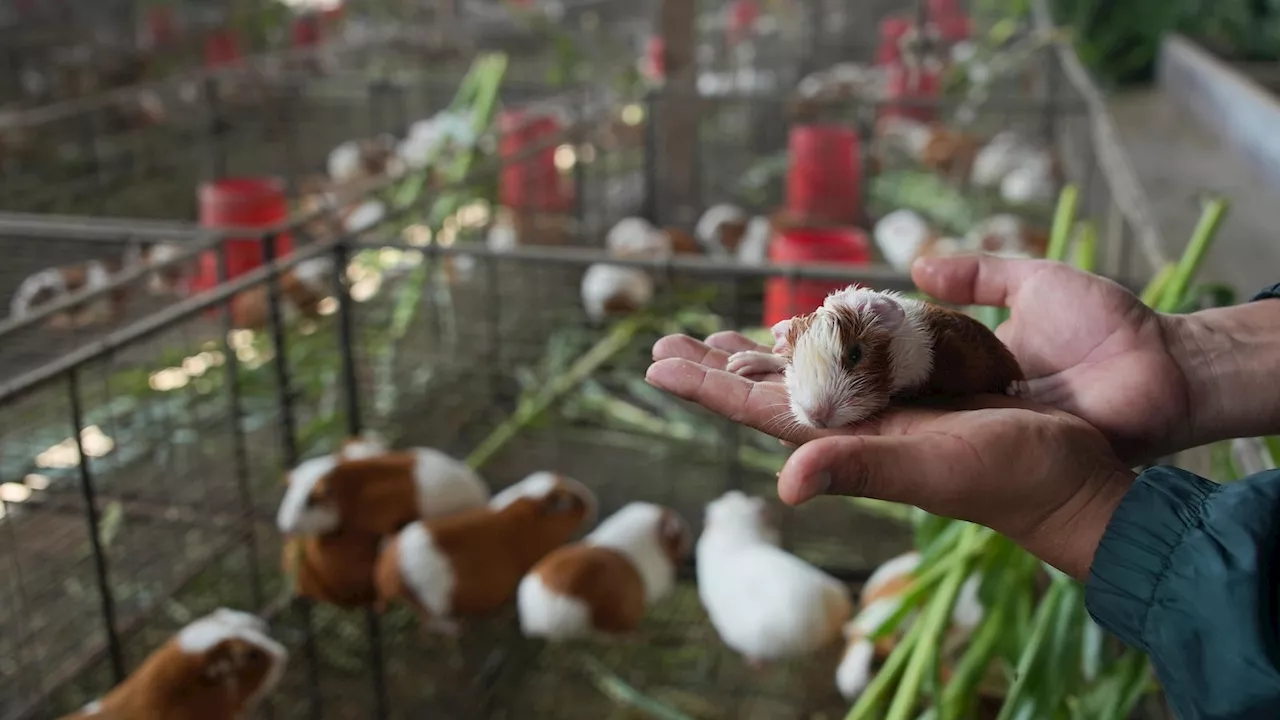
x,y
240,203
655,62
823,176
742,17
532,182
221,49
162,27
305,31
916,84
892,30
784,298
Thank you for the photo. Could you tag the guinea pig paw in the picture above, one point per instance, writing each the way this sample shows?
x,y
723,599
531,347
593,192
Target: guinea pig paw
x,y
752,362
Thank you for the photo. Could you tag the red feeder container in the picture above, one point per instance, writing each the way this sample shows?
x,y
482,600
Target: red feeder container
x,y
161,26
954,28
823,176
742,17
221,49
915,84
892,29
655,63
785,298
305,31
240,203
533,182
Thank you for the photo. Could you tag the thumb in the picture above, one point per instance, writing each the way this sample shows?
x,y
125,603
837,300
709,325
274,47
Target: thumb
x,y
974,279
907,469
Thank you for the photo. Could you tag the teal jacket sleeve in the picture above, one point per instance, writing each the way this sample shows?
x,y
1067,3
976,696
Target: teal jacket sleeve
x,y
1188,571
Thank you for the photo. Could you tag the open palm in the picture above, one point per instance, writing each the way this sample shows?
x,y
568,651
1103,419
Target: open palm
x,y
1087,345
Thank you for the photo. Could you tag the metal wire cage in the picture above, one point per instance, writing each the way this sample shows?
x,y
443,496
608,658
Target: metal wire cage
x,y
141,468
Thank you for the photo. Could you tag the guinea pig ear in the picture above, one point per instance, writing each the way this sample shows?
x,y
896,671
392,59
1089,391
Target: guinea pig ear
x,y
887,312
222,662
781,345
560,502
677,537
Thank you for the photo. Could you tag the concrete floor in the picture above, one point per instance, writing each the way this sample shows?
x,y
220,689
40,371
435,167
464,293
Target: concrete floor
x,y
1178,160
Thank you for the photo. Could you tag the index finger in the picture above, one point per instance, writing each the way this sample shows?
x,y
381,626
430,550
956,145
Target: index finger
x,y
760,405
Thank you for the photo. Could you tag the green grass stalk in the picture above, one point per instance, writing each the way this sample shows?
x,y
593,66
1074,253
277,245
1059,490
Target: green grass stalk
x,y
1063,220
1040,627
1201,240
618,339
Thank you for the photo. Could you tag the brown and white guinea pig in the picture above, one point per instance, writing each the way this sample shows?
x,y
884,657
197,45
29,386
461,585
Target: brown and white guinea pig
x,y
727,231
606,582
355,162
339,510
845,361
216,668
368,488
302,289
881,597
470,564
610,290
764,602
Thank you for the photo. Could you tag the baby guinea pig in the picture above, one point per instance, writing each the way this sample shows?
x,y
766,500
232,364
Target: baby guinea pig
x,y
845,361
606,582
216,668
471,563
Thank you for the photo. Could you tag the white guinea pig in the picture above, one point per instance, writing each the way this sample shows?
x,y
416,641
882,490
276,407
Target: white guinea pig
x,y
764,602
606,582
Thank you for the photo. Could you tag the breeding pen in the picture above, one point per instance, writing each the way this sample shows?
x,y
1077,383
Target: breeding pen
x,y
142,474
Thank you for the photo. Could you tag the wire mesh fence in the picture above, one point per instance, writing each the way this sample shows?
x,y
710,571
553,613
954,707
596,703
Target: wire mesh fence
x,y
141,461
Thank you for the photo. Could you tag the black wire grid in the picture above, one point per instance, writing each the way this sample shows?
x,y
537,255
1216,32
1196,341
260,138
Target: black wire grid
x,y
142,461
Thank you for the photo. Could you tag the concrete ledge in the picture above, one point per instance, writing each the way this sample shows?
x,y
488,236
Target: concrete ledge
x,y
1242,112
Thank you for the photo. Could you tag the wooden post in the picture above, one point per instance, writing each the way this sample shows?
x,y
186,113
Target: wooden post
x,y
677,116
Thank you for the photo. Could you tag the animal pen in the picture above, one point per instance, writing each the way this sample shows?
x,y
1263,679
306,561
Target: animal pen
x,y
142,460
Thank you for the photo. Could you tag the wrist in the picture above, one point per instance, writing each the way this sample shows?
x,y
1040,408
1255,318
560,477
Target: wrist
x,y
1227,357
1069,538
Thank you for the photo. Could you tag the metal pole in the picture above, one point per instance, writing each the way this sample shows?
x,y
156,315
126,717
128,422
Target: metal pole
x,y
351,393
289,451
114,648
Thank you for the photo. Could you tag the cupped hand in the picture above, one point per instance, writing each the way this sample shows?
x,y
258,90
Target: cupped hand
x,y
1087,345
1044,478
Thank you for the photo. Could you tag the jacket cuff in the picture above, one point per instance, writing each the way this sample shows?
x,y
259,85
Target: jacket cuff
x,y
1271,293
1134,556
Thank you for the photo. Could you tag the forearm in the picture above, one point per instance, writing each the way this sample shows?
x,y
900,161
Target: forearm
x,y
1187,573
1231,359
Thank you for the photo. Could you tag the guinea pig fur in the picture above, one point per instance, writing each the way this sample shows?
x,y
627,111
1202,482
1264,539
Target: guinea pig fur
x,y
470,564
764,602
335,568
376,493
606,582
881,596
845,361
216,668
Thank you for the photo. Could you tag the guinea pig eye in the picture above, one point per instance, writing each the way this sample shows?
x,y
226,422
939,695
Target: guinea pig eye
x,y
853,356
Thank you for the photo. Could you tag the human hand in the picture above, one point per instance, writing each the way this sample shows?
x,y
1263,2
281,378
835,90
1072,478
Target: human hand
x,y
1086,345
1044,478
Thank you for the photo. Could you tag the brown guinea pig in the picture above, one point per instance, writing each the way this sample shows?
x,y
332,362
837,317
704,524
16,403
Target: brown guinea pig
x,y
470,564
216,668
606,582
335,568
